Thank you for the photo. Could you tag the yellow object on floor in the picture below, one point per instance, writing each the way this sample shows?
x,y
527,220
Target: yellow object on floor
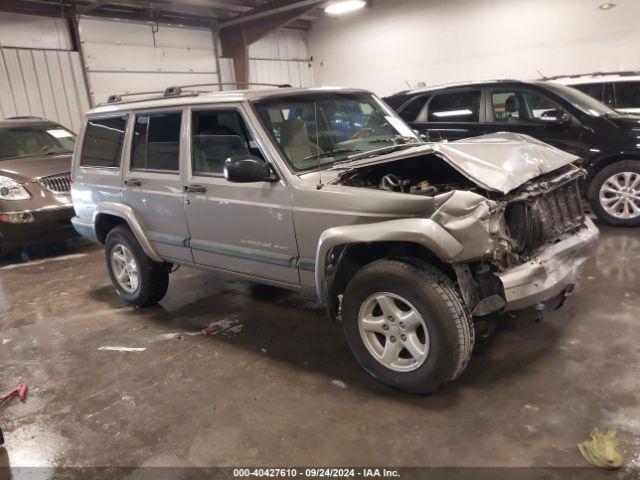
x,y
602,450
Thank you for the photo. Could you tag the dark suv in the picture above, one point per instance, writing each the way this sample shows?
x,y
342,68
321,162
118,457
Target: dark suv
x,y
607,142
35,203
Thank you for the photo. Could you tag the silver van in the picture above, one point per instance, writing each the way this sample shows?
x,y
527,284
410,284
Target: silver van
x,y
328,190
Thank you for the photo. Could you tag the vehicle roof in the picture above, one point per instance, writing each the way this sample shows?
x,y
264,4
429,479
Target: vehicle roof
x,y
596,78
480,83
22,121
194,97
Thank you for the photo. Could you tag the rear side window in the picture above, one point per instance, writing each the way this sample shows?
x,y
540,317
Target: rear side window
x,y
102,144
627,94
156,142
455,107
595,90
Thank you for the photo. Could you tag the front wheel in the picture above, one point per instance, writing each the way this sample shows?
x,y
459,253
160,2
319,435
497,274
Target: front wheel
x,y
136,278
407,325
614,194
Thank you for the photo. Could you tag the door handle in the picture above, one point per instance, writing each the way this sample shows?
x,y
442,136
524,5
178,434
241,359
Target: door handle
x,y
132,183
195,188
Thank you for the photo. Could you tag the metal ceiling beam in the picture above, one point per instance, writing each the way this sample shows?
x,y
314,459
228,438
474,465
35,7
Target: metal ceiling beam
x,y
273,8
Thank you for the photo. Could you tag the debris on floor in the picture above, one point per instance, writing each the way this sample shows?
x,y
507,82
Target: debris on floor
x,y
339,383
123,349
602,450
19,391
219,326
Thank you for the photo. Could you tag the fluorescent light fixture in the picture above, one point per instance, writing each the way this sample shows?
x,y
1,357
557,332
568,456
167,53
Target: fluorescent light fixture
x,y
453,113
344,6
606,6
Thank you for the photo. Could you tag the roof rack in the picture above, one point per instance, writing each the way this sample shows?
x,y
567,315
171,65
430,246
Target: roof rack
x,y
178,90
24,117
593,74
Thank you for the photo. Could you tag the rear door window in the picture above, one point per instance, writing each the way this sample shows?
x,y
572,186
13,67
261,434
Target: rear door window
x,y
102,144
627,94
156,142
455,107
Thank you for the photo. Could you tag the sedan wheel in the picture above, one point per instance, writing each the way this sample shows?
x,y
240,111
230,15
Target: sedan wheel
x,y
620,195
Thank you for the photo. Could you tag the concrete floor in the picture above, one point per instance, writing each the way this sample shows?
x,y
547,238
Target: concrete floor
x,y
278,385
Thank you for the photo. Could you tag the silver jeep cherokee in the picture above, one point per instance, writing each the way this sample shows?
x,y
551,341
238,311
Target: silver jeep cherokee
x,y
327,189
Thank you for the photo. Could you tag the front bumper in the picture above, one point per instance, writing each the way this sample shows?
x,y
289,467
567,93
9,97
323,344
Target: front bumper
x,y
47,225
551,273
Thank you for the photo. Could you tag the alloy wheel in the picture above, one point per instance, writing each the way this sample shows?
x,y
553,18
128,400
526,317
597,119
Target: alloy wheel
x,y
620,195
393,331
125,268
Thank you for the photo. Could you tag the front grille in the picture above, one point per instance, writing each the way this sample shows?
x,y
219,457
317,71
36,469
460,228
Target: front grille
x,y
545,217
60,183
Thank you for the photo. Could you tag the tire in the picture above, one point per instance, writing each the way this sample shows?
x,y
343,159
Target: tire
x,y
152,277
612,175
419,286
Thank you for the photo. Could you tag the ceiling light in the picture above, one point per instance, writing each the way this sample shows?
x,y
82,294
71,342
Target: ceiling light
x,y
344,6
607,6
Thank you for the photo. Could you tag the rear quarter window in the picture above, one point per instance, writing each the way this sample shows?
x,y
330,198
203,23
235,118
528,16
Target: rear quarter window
x,y
102,144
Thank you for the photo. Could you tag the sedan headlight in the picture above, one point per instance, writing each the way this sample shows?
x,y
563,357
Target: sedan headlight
x,y
12,190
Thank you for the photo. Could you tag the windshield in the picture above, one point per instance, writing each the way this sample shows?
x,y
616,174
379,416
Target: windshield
x,y
322,128
35,140
581,100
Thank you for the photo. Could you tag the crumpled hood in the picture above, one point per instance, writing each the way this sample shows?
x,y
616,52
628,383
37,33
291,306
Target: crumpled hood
x,y
503,161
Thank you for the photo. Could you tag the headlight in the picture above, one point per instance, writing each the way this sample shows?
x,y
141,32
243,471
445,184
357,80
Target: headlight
x,y
12,190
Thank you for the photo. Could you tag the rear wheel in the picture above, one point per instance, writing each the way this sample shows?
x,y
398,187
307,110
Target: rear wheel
x,y
136,278
614,194
407,325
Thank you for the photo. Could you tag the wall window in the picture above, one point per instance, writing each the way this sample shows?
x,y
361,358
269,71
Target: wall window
x,y
455,107
627,94
217,135
156,142
102,144
521,107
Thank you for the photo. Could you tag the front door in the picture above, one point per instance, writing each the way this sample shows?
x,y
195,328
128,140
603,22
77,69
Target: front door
x,y
532,113
153,183
241,227
451,116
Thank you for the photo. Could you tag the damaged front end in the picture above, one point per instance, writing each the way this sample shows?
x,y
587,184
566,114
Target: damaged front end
x,y
543,239
517,235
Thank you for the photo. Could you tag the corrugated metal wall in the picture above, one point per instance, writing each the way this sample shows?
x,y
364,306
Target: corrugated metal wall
x,y
281,57
44,83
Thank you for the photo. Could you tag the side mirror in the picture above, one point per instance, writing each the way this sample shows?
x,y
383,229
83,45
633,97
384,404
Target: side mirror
x,y
248,170
557,116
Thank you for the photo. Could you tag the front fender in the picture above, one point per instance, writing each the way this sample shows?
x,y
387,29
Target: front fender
x,y
422,231
127,214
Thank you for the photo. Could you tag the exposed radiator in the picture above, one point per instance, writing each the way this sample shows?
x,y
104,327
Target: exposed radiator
x,y
543,218
60,183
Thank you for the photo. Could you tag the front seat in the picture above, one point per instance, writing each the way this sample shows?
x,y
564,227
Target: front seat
x,y
512,108
294,140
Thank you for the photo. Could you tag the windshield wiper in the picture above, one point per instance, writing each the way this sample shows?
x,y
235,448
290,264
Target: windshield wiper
x,y
382,150
331,153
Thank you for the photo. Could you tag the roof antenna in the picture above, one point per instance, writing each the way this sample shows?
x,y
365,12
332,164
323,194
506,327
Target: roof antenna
x,y
541,74
315,116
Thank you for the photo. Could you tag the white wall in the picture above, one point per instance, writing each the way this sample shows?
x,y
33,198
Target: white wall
x,y
29,31
281,57
440,41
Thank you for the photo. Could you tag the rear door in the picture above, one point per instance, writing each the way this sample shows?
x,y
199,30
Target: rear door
x,y
522,110
153,180
451,115
241,227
